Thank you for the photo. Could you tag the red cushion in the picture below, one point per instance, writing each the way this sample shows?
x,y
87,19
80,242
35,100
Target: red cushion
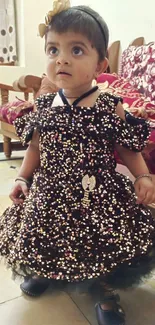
x,y
109,77
10,111
133,101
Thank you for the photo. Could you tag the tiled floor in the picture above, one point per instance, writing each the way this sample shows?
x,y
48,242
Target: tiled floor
x,y
60,308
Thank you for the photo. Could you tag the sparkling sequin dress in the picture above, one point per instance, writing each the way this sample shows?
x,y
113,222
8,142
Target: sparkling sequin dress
x,y
80,220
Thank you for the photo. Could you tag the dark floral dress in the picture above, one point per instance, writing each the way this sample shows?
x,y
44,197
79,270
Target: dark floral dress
x,y
80,220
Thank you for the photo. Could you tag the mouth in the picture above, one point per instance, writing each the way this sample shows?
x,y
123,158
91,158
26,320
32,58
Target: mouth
x,y
63,73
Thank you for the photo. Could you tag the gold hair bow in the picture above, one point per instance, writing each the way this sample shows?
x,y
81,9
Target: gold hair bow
x,y
58,6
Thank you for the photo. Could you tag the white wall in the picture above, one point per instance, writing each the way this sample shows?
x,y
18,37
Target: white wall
x,y
32,57
126,19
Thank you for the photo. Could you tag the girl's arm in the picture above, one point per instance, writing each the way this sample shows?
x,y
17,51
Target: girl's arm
x,y
144,187
31,161
132,160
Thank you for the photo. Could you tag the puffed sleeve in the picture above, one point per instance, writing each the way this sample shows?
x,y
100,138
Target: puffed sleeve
x,y
133,133
26,124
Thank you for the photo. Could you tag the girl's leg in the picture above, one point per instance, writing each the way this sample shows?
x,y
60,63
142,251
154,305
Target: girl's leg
x,y
108,310
34,286
124,277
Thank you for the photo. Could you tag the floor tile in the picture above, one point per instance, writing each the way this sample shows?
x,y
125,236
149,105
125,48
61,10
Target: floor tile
x,y
87,306
16,155
50,309
5,202
9,289
8,173
139,305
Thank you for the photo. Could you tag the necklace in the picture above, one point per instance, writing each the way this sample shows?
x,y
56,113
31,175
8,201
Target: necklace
x,y
77,99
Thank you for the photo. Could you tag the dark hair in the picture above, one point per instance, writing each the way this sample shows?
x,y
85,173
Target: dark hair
x,y
86,21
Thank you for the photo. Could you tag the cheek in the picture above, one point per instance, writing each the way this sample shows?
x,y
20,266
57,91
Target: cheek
x,y
85,75
83,72
86,72
50,70
90,74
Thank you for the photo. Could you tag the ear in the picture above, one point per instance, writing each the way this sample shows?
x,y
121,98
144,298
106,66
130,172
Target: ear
x,y
101,67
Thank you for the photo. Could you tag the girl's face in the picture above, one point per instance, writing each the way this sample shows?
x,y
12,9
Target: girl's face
x,y
72,61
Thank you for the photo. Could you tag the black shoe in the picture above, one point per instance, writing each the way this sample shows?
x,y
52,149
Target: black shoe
x,y
114,316
34,287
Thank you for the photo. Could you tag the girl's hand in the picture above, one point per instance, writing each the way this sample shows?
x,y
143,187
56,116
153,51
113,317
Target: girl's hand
x,y
145,191
19,192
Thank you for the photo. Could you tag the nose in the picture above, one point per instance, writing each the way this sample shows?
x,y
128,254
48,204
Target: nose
x,y
62,60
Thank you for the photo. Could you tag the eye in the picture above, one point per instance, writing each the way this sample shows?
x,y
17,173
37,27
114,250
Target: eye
x,y
53,51
77,50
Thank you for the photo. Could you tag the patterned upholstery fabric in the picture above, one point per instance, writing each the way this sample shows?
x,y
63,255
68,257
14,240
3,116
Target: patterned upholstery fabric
x,y
133,101
138,66
10,111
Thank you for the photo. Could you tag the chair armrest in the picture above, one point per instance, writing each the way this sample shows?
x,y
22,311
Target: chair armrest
x,y
6,87
5,90
12,88
30,82
39,85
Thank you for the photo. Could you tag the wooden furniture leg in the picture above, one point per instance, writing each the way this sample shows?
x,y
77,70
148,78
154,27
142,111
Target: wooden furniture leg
x,y
7,146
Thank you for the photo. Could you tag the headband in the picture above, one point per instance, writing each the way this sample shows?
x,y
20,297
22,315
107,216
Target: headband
x,y
62,5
